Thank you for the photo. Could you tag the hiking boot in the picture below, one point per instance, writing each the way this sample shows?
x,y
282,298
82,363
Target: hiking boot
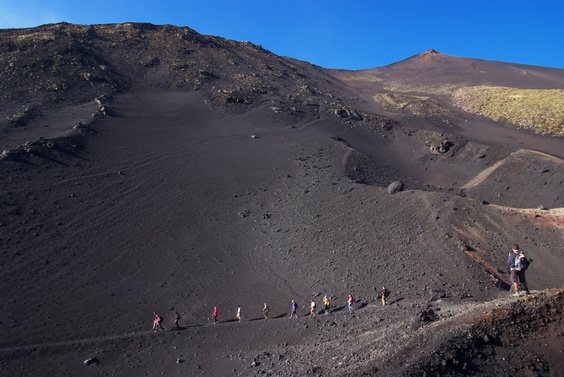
x,y
517,294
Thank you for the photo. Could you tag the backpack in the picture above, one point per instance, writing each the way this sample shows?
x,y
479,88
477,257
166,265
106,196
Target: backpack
x,y
522,262
526,263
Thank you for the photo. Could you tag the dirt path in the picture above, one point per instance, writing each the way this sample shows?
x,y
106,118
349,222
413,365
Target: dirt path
x,y
480,177
462,311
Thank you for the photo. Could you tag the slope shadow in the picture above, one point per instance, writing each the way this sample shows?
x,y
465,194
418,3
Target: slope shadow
x,y
337,309
396,300
230,320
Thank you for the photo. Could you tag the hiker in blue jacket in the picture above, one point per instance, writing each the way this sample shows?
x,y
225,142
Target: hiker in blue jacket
x,y
511,266
520,264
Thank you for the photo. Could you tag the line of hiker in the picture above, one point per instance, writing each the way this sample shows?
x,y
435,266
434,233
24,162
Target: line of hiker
x,y
157,321
517,264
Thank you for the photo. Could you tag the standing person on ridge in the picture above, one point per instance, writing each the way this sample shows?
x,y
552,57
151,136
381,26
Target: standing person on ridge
x,y
523,265
510,266
239,313
520,265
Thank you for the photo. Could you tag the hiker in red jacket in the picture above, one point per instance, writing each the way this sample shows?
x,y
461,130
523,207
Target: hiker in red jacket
x,y
350,303
157,322
214,315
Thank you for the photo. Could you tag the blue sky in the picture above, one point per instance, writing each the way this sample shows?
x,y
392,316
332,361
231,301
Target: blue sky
x,y
337,33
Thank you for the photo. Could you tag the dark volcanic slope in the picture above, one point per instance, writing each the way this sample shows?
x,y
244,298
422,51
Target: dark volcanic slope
x,y
153,168
65,67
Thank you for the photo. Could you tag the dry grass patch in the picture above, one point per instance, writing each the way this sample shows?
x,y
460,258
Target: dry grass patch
x,y
363,76
442,89
541,111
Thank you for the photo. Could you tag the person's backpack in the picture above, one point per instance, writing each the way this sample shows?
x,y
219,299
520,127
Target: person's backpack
x,y
526,263
522,262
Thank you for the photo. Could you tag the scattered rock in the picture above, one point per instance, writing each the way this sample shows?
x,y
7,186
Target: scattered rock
x,y
348,114
92,361
395,187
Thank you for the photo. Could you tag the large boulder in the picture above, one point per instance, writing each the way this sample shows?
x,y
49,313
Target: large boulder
x,y
394,187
